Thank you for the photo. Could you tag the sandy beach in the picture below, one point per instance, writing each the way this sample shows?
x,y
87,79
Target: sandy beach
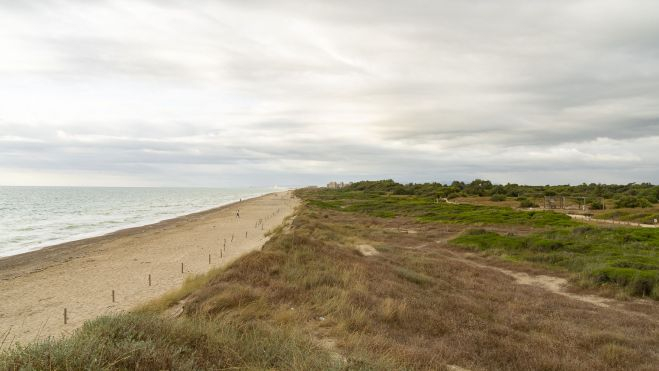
x,y
80,276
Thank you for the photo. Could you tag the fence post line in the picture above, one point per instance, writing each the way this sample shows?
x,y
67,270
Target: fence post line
x,y
181,268
113,296
149,279
209,258
65,317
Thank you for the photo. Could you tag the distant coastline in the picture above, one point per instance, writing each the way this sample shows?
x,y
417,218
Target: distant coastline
x,y
119,226
100,236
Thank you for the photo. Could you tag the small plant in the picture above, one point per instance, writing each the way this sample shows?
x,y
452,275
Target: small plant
x,y
631,202
453,195
527,204
498,197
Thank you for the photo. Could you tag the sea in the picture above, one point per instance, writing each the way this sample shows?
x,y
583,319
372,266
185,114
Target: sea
x,y
34,217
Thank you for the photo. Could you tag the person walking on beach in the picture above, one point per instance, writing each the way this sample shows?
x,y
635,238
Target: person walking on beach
x,y
238,214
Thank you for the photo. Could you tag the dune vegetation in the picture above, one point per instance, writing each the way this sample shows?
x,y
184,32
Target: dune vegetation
x,y
369,281
612,257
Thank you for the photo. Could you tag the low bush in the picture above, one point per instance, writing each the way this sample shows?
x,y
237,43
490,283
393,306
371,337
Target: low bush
x,y
637,282
527,204
498,198
631,202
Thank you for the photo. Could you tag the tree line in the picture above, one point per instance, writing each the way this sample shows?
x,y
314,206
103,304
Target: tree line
x,y
623,195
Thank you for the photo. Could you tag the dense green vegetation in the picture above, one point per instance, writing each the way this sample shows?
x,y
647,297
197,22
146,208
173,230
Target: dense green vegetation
x,y
632,202
428,209
636,195
626,257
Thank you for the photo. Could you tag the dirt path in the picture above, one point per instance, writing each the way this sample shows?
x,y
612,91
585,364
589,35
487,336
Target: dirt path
x,y
80,276
554,285
607,221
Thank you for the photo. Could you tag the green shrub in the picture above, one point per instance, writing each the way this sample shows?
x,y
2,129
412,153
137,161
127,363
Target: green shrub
x,y
527,204
632,202
637,282
402,191
498,197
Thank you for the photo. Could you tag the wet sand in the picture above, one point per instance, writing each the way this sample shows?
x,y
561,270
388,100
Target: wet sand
x,y
36,287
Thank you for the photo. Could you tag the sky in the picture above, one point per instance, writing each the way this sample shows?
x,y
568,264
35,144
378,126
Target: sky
x,y
260,93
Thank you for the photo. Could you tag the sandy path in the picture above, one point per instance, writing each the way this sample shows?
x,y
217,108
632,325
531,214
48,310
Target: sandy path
x,y
80,276
554,285
608,221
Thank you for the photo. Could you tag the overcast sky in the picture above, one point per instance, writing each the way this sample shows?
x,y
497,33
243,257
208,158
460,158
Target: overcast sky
x,y
233,93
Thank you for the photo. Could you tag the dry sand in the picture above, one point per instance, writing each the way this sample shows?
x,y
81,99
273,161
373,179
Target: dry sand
x,y
36,287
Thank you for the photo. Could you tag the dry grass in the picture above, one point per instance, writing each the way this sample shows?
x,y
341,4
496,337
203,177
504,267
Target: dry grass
x,y
486,201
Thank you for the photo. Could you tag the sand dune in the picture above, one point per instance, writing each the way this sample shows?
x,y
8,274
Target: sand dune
x,y
80,276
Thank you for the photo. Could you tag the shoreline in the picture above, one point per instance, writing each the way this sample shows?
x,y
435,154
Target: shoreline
x,y
21,257
108,273
108,231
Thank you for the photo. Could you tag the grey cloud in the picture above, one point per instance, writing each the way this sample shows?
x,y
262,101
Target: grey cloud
x,y
315,90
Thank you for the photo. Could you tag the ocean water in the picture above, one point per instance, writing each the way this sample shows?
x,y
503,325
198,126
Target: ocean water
x,y
34,217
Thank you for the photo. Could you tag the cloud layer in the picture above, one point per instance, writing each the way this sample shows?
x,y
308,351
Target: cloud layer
x,y
302,92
